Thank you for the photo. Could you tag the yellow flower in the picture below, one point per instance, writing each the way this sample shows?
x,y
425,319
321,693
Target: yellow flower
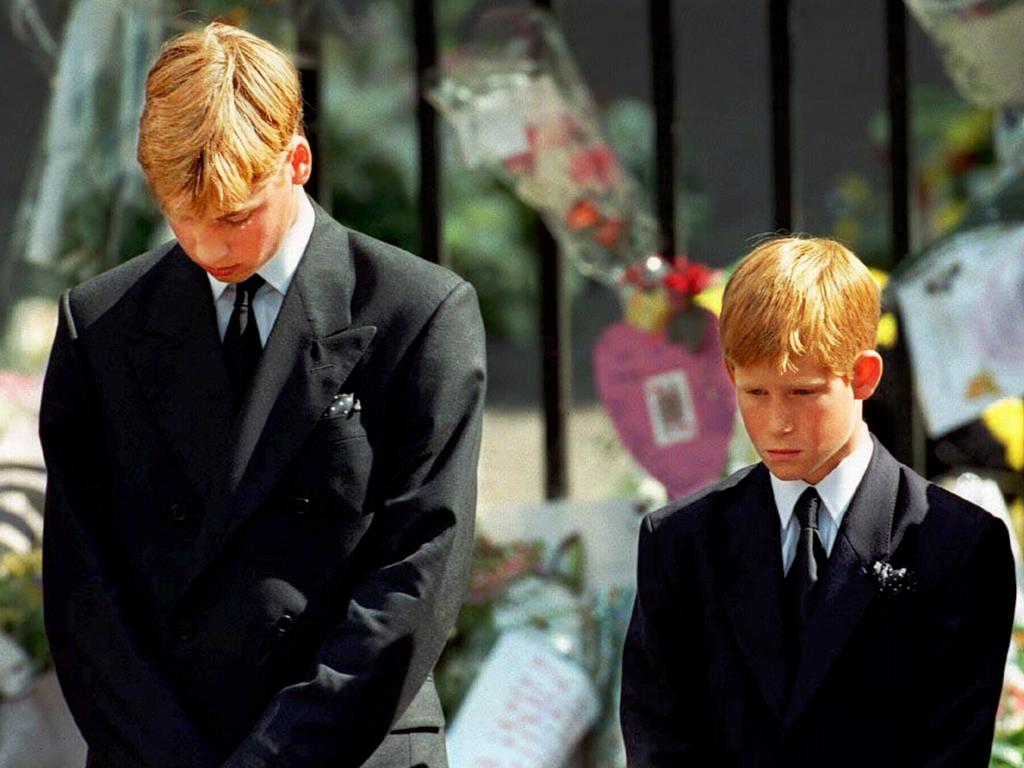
x,y
648,311
970,131
1005,420
711,298
888,328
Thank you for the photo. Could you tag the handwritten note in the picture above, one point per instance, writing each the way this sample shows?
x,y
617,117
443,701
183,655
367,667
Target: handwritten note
x,y
528,708
964,323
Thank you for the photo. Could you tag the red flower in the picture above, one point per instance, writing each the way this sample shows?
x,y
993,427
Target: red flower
x,y
583,215
676,283
532,135
632,274
610,232
597,164
560,129
688,278
521,163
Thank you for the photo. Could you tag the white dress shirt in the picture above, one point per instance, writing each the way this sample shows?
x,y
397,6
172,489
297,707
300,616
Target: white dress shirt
x,y
836,490
278,273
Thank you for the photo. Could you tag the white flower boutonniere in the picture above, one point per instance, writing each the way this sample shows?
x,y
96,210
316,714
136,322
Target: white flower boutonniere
x,y
892,581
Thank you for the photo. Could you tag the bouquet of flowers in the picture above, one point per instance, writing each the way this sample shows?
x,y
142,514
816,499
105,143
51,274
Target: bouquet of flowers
x,y
520,108
660,296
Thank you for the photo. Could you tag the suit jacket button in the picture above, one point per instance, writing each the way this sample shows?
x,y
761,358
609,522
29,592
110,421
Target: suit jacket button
x,y
284,623
186,631
178,513
300,506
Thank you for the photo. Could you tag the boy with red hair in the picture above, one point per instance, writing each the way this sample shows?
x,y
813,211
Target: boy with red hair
x,y
827,606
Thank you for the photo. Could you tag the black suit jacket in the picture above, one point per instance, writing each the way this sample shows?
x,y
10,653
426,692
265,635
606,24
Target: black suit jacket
x,y
910,678
263,583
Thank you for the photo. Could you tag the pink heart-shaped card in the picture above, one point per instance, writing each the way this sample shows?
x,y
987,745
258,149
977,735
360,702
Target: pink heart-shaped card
x,y
673,408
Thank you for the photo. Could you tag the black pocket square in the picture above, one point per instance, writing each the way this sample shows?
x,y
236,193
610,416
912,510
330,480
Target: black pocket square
x,y
343,405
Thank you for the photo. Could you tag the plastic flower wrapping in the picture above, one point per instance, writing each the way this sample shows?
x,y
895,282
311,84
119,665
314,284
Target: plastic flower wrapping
x,y
980,42
519,107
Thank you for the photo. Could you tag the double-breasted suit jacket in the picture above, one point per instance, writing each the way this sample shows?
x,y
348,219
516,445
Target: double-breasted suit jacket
x,y
266,582
898,671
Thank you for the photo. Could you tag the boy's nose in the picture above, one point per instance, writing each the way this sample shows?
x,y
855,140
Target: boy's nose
x,y
208,251
782,422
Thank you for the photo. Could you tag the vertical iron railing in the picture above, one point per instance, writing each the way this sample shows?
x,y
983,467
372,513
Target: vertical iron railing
x,y
663,85
554,317
429,201
555,347
555,381
907,438
782,111
899,127
310,58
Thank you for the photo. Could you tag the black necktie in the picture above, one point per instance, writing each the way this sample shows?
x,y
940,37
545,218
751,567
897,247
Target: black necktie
x,y
809,561
802,578
242,346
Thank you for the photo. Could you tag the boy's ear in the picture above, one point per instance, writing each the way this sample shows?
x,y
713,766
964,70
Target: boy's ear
x,y
300,158
867,372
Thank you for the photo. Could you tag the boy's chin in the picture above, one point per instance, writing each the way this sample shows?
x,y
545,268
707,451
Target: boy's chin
x,y
785,470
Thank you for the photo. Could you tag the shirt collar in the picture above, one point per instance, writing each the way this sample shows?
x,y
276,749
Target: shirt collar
x,y
836,488
280,268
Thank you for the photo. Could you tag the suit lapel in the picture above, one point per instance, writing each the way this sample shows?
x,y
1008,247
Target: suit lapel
x,y
308,355
753,601
176,355
846,590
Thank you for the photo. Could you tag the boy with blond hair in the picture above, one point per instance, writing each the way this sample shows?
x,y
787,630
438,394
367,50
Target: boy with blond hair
x,y
827,606
261,441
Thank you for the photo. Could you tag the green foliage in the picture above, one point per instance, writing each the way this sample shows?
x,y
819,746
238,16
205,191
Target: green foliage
x,y
21,605
491,238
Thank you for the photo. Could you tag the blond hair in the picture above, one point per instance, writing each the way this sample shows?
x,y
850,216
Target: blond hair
x,y
222,106
797,297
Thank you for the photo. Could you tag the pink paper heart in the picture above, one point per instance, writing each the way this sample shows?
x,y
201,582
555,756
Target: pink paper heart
x,y
673,409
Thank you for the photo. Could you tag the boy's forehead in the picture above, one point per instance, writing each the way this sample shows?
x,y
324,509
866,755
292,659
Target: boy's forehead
x,y
189,210
802,369
195,198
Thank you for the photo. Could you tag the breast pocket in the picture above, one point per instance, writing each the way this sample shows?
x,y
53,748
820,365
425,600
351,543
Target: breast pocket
x,y
334,467
336,427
